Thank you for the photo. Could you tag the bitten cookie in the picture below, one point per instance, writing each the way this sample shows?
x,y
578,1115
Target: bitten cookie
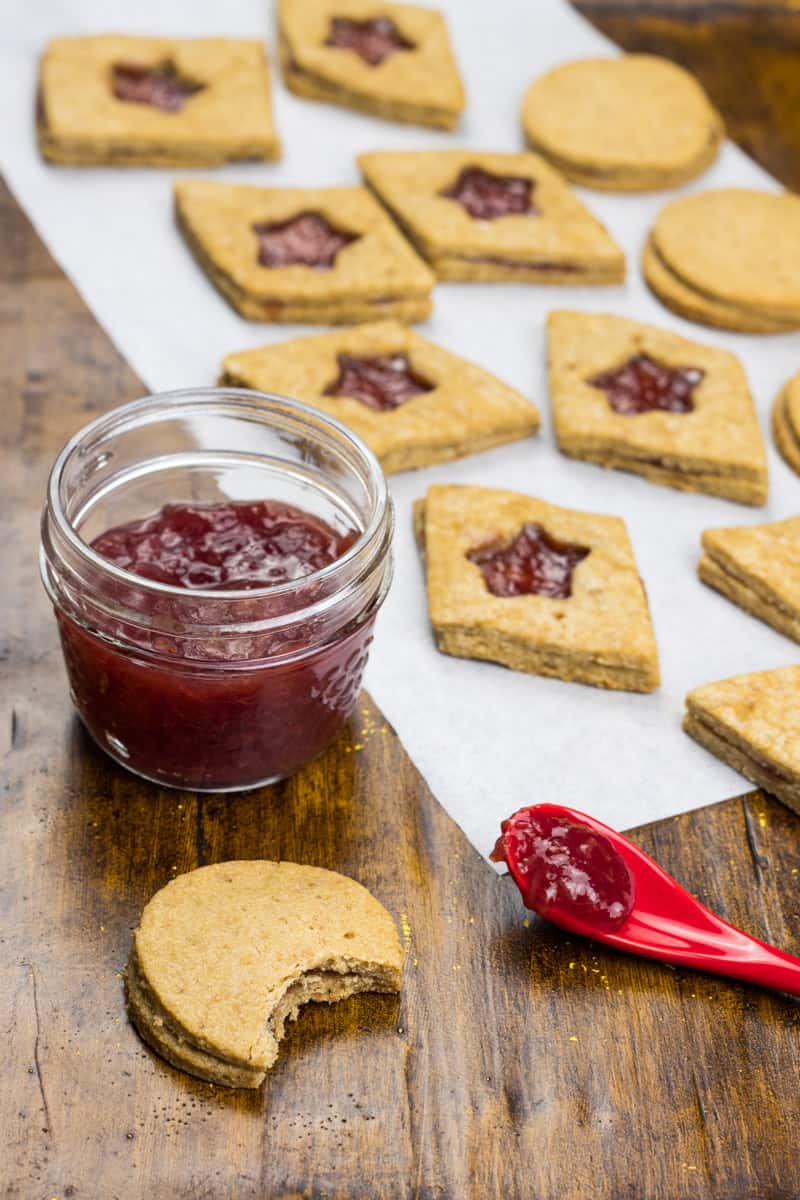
x,y
758,568
752,722
635,123
641,399
325,255
786,422
537,588
493,217
142,101
392,61
729,258
225,955
412,402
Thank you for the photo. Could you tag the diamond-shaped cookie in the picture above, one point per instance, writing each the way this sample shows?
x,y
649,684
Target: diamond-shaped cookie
x,y
494,217
752,722
758,568
642,399
535,587
393,61
324,255
412,402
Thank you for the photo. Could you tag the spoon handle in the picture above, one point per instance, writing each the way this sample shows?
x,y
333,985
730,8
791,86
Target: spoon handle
x,y
753,961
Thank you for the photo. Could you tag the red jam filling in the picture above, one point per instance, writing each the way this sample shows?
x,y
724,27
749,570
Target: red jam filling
x,y
382,383
642,385
532,564
566,871
307,240
486,196
223,547
216,714
373,40
160,87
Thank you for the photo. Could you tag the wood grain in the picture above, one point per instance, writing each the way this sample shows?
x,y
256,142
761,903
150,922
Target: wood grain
x,y
517,1063
745,52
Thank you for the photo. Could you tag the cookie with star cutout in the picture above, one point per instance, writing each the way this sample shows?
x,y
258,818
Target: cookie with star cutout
x,y
493,217
392,61
411,401
306,255
641,399
537,588
141,101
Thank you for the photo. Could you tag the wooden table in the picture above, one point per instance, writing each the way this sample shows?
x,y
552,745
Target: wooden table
x,y
517,1062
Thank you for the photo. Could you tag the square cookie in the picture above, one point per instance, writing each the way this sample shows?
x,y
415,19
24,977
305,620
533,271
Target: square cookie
x,y
758,568
412,402
392,61
493,217
144,101
325,255
752,722
536,588
641,399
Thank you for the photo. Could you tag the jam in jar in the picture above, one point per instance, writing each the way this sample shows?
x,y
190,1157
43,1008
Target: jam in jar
x,y
216,561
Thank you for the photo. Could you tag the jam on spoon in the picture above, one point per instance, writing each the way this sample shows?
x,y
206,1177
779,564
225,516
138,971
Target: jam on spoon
x,y
587,878
563,867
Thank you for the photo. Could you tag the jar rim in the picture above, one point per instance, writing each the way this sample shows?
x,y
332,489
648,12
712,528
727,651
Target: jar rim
x,y
132,412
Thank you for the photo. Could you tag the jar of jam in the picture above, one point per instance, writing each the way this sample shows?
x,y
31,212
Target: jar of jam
x,y
216,560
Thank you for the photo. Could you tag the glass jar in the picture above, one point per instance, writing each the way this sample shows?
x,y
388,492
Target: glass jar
x,y
214,690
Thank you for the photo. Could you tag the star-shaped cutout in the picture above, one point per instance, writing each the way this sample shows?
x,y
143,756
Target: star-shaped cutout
x,y
307,240
643,385
374,40
533,563
161,87
486,196
382,382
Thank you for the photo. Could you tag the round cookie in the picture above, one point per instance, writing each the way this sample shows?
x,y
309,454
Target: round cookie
x,y
675,294
633,123
225,956
786,422
737,246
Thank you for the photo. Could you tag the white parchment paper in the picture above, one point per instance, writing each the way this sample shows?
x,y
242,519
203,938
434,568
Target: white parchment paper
x,y
487,739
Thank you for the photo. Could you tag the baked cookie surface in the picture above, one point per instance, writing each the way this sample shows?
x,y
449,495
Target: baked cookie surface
x,y
786,422
154,101
729,257
641,399
632,123
587,619
758,568
391,60
752,723
225,955
493,217
412,402
325,255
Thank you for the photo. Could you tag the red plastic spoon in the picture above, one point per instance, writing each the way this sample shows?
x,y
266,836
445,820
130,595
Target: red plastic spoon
x,y
590,880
